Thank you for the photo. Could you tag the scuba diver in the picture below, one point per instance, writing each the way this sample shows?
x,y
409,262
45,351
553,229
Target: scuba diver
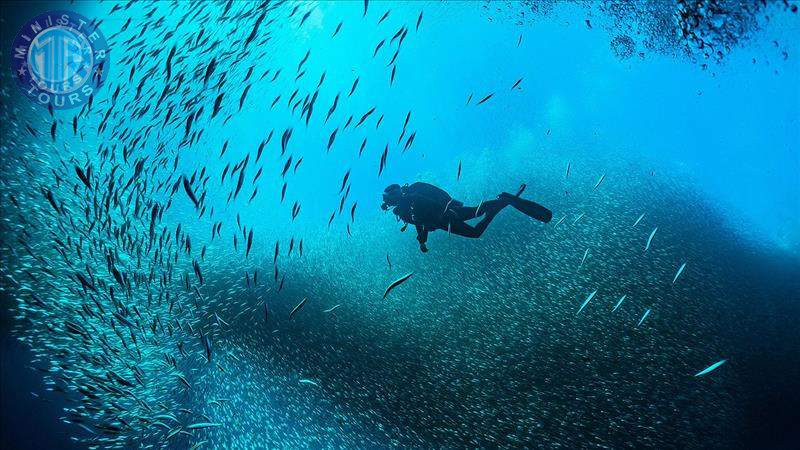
x,y
429,208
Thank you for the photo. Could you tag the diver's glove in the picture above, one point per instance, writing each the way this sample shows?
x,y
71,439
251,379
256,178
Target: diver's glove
x,y
423,248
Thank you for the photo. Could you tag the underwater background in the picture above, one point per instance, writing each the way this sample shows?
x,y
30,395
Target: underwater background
x,y
234,163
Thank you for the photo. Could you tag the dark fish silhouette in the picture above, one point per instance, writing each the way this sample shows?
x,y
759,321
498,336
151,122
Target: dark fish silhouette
x,y
383,160
396,283
365,116
385,15
244,95
378,47
332,138
209,71
485,99
344,181
353,89
188,188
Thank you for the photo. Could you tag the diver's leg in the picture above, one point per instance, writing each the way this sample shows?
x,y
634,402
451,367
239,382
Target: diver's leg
x,y
465,212
463,229
466,230
489,206
490,214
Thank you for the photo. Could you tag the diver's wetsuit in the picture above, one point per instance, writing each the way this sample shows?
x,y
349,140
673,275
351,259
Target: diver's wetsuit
x,y
429,208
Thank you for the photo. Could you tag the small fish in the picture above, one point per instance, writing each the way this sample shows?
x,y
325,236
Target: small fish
x,y
483,99
242,98
638,220
396,283
680,271
586,302
196,426
383,160
364,117
569,164
305,17
332,108
207,345
710,368
332,138
307,381
184,381
344,181
586,253
378,47
217,105
209,71
249,243
646,313
409,141
384,16
516,84
188,188
602,177
622,299
650,239
83,177
298,307
330,310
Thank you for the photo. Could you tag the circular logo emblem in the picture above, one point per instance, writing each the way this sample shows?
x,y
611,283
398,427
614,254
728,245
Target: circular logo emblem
x,y
60,59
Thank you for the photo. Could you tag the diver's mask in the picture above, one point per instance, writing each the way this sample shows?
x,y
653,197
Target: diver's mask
x,y
391,196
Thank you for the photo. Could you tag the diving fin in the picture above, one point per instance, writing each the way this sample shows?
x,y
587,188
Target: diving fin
x,y
529,208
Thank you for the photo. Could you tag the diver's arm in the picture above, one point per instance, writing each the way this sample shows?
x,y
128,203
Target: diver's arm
x,y
422,237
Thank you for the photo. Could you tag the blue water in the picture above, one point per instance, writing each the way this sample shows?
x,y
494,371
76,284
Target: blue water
x,y
484,346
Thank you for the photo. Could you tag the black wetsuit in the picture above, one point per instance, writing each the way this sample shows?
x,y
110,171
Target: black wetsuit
x,y
429,208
